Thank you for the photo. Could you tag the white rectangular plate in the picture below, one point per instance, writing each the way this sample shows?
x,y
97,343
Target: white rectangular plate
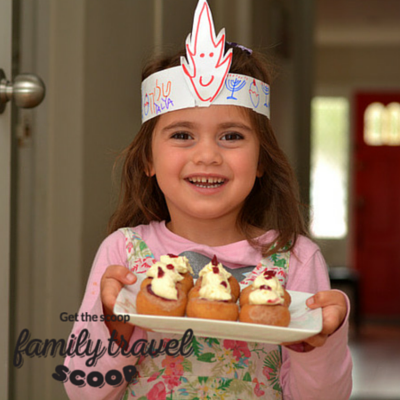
x,y
304,322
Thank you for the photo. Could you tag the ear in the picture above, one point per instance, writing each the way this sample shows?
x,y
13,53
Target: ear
x,y
149,171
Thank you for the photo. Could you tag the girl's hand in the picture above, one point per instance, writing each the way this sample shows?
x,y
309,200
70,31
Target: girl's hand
x,y
334,310
112,281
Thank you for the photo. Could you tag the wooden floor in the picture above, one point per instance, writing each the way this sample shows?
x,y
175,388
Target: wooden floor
x,y
376,357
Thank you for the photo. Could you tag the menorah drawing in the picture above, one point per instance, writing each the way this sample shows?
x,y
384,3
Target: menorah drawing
x,y
234,85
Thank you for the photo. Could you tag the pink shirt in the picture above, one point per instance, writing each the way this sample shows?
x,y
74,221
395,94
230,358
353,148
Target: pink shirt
x,y
323,373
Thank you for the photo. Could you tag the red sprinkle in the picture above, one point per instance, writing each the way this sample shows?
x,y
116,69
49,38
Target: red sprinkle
x,y
269,274
215,270
265,287
172,255
160,273
214,261
224,284
169,266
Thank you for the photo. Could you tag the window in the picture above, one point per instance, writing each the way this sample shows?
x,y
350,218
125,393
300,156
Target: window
x,y
382,124
329,167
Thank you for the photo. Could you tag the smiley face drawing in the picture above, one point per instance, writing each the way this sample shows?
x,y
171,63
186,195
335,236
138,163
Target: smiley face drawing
x,y
206,66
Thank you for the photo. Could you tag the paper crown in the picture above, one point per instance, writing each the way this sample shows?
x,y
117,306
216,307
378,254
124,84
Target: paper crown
x,y
203,79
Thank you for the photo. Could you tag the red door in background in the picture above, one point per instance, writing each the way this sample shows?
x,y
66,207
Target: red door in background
x,y
376,208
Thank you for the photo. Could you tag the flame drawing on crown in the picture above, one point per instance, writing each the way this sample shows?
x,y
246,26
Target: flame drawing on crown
x,y
207,66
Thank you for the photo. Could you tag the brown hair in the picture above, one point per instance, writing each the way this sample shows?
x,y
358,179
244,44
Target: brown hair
x,y
273,202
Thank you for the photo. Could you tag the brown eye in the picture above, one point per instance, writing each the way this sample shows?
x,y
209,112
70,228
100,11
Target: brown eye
x,y
181,136
232,136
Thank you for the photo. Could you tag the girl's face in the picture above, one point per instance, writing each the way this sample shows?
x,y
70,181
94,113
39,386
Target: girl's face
x,y
205,160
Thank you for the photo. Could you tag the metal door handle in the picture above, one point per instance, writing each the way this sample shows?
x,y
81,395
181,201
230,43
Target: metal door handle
x,y
27,91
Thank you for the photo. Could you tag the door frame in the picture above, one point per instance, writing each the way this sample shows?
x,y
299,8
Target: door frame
x,y
5,199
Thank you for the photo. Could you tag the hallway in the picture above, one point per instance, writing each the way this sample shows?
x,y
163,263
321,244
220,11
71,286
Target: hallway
x,y
376,357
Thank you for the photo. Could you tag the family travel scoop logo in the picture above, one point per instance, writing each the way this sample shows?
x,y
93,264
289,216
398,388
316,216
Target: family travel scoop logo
x,y
82,346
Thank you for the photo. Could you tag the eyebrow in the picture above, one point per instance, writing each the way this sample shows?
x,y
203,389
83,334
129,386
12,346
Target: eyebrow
x,y
179,124
191,125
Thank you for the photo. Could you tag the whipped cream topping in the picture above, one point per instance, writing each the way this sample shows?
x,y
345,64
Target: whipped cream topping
x,y
214,283
267,290
153,271
265,296
181,263
164,280
210,267
269,280
215,292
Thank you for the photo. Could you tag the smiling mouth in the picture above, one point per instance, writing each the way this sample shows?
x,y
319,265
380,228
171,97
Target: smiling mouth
x,y
206,84
206,183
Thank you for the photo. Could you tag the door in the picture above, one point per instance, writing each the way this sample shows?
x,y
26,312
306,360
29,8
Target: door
x,y
377,204
25,91
5,190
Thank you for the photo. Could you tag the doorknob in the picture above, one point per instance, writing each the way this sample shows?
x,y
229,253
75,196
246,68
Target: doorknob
x,y
27,91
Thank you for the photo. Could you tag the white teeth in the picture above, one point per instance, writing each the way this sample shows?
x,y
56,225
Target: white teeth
x,y
205,182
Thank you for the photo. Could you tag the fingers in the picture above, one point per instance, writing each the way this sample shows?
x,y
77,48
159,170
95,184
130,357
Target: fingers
x,y
334,310
114,278
326,298
120,273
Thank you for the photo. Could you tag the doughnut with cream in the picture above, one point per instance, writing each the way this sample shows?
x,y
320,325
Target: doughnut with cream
x,y
180,264
265,302
161,294
212,297
217,268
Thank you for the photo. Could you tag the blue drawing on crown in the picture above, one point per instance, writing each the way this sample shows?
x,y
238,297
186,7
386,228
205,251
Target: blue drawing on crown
x,y
164,104
254,95
265,89
234,85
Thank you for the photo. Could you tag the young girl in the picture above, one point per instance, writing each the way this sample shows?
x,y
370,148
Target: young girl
x,y
212,181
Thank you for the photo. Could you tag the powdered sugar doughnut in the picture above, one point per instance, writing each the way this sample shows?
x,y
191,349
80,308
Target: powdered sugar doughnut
x,y
148,303
212,309
277,315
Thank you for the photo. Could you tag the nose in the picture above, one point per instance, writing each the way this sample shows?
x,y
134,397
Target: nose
x,y
207,152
